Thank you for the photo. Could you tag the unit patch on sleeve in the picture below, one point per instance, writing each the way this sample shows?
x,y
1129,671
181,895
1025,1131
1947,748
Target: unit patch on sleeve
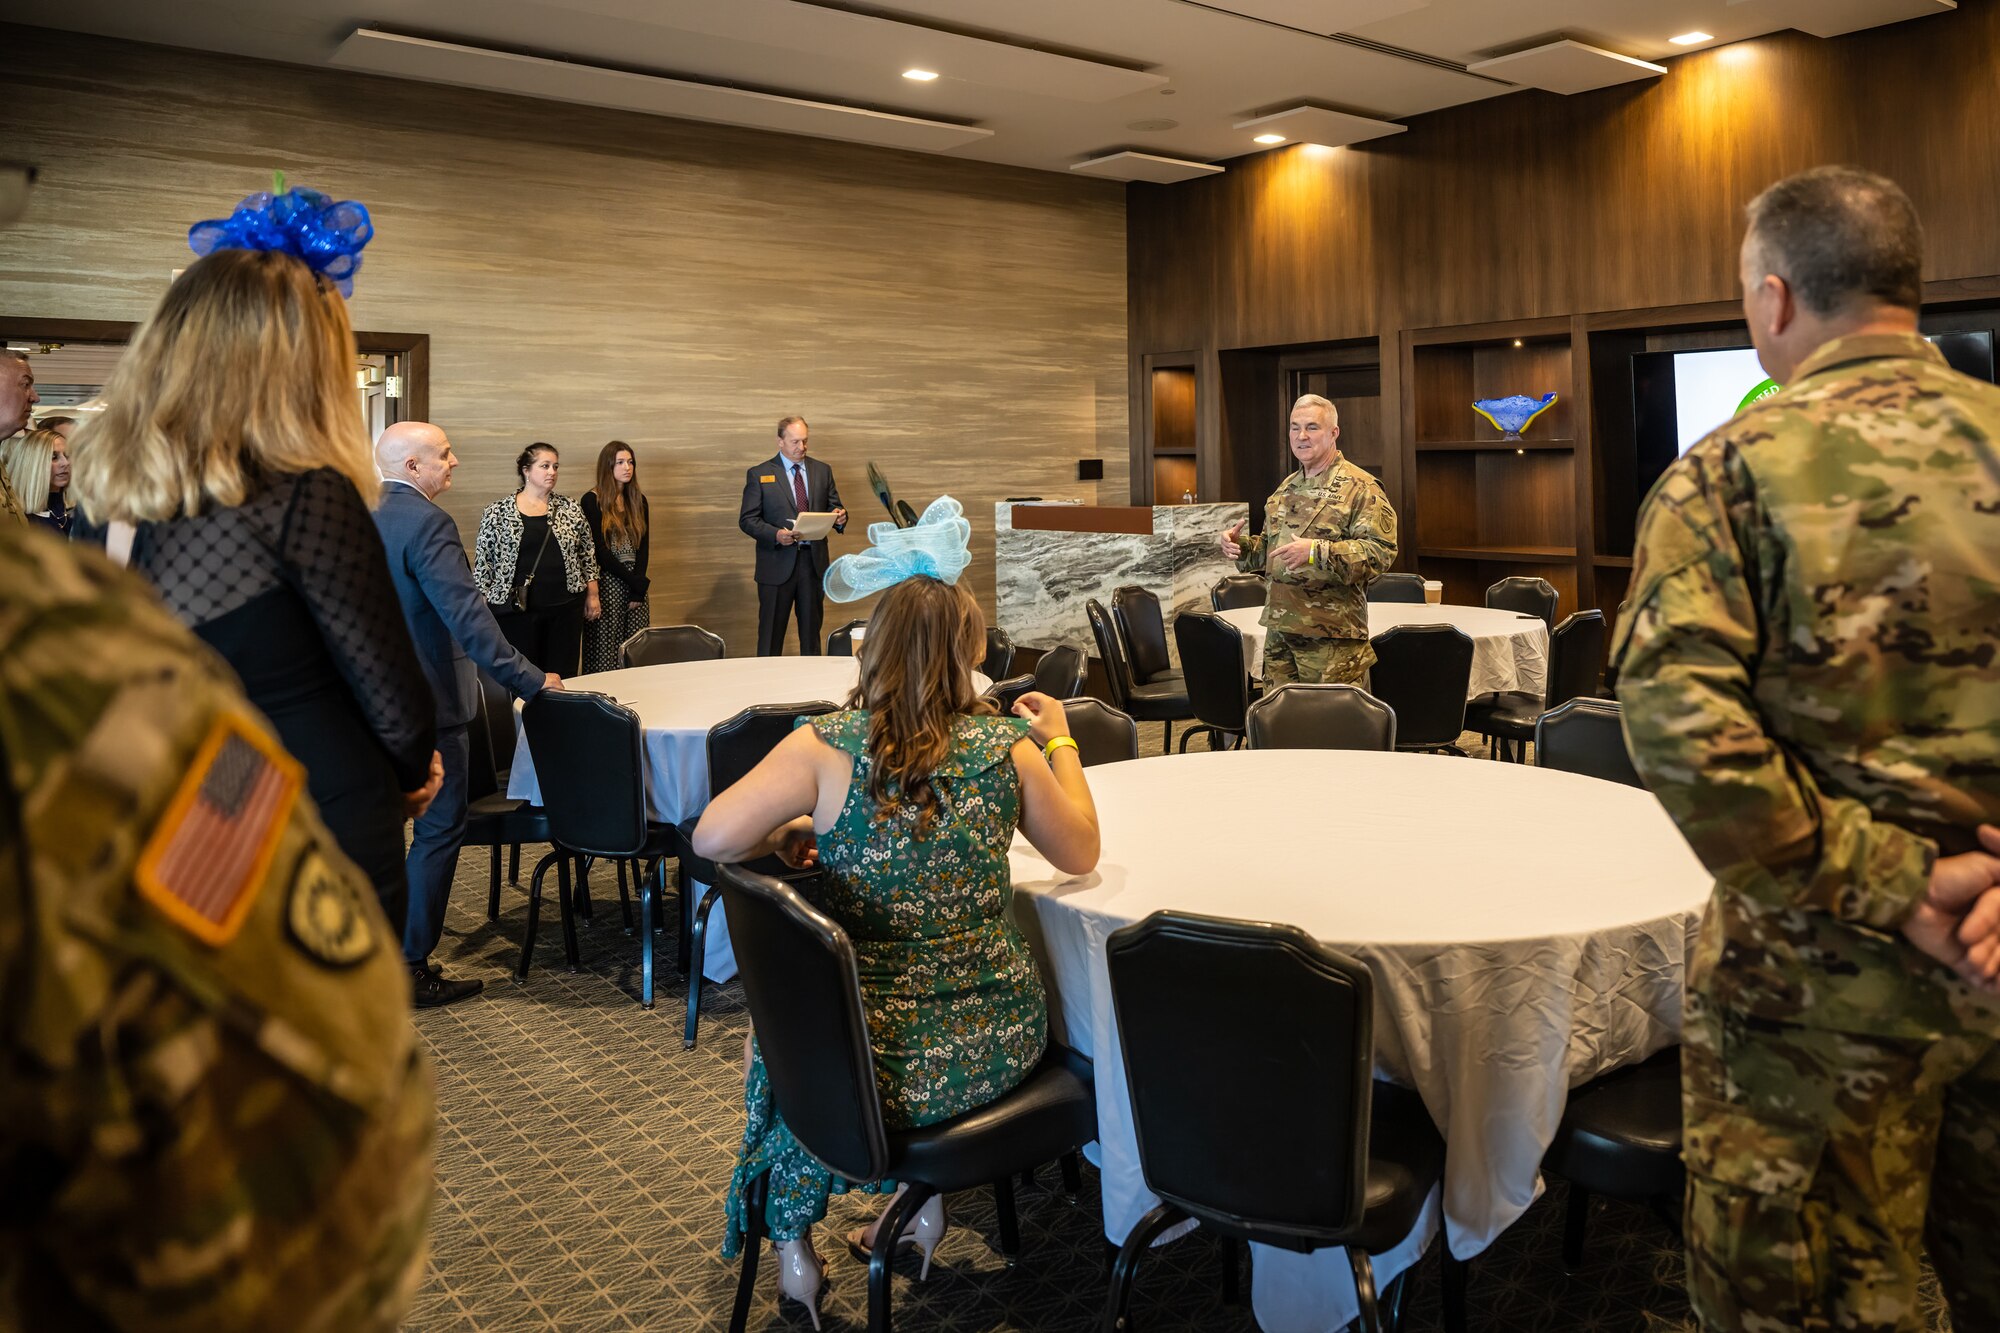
x,y
327,914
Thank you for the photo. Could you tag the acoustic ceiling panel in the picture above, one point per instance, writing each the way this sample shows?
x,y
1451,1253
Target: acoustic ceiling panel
x,y
1314,124
1831,18
1567,67
1148,167
841,34
1321,16
594,85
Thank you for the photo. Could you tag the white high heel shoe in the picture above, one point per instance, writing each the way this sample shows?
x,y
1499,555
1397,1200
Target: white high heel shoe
x,y
924,1231
801,1274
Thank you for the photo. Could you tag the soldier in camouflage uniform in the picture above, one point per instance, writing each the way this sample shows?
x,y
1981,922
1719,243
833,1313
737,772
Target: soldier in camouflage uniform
x,y
1810,671
213,1113
1328,533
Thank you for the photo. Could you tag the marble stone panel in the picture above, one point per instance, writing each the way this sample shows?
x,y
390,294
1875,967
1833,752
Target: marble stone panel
x,y
1043,579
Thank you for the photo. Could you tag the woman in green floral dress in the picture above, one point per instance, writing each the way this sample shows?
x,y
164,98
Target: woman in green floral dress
x,y
908,802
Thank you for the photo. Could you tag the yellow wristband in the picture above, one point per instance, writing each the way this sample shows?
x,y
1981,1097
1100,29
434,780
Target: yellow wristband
x,y
1057,743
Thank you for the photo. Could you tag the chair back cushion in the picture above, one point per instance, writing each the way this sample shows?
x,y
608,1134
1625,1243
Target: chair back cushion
x,y
1232,592
1059,673
1142,631
1005,692
804,991
1585,736
1526,594
1397,588
840,643
1576,657
589,754
482,777
999,654
1423,672
1231,1028
1117,672
662,644
739,744
1320,717
1218,683
1103,734
497,711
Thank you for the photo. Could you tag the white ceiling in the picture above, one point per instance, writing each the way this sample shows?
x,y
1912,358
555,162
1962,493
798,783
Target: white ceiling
x,y
1037,83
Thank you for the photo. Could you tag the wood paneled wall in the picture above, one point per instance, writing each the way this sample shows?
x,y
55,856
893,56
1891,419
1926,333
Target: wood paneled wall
x,y
1533,205
588,274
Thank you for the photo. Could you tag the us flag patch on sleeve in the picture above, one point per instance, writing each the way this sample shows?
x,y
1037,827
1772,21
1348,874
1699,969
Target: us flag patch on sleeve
x,y
207,858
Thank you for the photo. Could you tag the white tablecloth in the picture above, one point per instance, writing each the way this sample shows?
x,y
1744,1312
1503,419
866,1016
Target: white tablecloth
x,y
677,704
1509,651
1526,930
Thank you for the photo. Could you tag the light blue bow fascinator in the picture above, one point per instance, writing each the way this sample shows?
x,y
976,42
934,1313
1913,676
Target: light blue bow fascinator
x,y
327,234
939,544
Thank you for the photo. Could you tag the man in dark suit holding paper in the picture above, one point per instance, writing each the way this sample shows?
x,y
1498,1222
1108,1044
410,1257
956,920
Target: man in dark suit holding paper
x,y
789,567
453,631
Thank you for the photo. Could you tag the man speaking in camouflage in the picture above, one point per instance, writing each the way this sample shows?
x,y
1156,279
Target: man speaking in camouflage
x,y
1328,533
1810,669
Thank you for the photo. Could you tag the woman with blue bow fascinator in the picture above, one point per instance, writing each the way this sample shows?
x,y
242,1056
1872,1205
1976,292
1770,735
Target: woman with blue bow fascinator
x,y
907,801
233,443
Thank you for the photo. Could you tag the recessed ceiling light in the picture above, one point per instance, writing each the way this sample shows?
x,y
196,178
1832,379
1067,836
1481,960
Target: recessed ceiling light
x,y
1270,138
926,75
1690,38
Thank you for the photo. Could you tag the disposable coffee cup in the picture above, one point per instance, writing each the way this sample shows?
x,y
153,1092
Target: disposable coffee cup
x,y
1433,591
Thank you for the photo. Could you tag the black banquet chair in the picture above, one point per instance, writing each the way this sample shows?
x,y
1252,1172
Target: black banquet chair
x,y
1424,672
800,979
496,713
1620,1137
1397,588
1166,702
1103,734
1005,692
1320,717
999,660
492,818
1585,736
589,753
1218,682
1143,633
1229,1027
1059,673
1232,592
662,644
735,746
1576,651
840,643
1526,595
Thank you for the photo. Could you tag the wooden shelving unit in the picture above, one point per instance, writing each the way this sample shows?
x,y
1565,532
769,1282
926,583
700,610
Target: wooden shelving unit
x,y
1174,429
1483,507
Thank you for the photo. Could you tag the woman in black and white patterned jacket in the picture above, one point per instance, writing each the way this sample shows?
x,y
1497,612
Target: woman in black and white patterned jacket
x,y
536,565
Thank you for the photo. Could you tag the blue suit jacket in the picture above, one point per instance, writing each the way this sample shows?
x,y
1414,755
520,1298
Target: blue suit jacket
x,y
449,621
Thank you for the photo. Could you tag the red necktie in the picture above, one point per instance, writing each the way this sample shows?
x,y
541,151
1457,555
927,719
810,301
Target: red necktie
x,y
799,489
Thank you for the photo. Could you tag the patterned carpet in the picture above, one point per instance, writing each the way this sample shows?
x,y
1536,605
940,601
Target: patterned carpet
x,y
582,1159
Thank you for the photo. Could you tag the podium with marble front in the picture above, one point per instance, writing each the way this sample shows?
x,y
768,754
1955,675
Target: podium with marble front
x,y
1052,558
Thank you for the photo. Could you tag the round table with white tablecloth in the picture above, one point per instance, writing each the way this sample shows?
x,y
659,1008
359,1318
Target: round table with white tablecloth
x,y
1526,930
1510,651
677,703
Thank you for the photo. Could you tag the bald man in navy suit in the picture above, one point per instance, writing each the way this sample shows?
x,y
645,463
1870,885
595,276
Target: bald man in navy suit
x,y
789,570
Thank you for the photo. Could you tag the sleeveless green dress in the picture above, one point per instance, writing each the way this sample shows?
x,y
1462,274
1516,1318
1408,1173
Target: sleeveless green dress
x,y
956,1013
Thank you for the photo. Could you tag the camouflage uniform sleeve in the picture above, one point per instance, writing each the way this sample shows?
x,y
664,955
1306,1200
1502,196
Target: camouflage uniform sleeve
x,y
1368,548
1686,654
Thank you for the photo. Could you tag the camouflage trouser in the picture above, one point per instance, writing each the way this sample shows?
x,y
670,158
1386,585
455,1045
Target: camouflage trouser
x,y
1293,659
1821,1163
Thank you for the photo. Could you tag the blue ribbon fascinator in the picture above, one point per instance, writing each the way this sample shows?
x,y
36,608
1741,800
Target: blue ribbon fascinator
x,y
938,544
327,234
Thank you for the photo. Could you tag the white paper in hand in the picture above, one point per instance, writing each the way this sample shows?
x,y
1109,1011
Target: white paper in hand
x,y
812,525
